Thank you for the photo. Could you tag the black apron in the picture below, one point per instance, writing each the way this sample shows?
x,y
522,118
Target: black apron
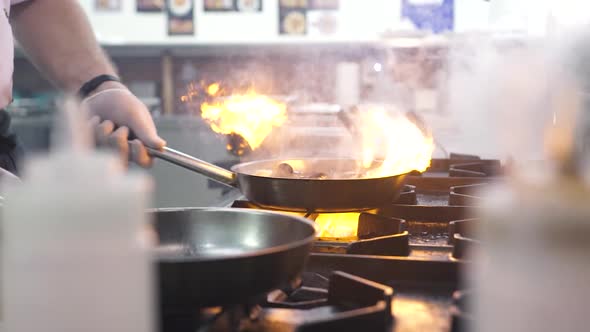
x,y
11,151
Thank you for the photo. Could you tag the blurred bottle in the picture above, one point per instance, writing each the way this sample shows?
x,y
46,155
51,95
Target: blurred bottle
x,y
533,272
74,255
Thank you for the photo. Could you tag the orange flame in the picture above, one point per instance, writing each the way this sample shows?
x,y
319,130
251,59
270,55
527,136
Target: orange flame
x,y
213,89
341,226
192,91
394,139
251,115
195,89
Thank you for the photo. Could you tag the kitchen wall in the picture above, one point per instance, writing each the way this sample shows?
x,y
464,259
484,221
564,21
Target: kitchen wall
x,y
359,21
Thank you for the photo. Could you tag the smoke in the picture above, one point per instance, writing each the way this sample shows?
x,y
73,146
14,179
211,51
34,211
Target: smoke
x,y
502,96
525,100
501,92
491,95
307,135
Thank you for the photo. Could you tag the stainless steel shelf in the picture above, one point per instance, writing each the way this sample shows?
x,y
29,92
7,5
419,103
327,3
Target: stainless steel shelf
x,y
250,49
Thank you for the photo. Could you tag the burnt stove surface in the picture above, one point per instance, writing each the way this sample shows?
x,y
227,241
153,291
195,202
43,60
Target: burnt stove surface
x,y
401,273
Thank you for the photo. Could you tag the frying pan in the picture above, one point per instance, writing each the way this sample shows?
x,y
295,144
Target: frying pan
x,y
219,257
297,194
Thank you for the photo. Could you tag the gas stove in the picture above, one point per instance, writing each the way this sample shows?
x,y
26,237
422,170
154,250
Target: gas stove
x,y
401,271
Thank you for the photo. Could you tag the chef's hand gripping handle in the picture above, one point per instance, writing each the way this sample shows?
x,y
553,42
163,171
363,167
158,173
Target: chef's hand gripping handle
x,y
211,171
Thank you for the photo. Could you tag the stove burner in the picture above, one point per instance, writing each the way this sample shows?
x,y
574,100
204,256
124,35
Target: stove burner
x,y
349,304
379,235
310,293
343,302
462,237
466,195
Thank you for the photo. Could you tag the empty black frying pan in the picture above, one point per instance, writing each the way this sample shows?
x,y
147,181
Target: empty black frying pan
x,y
221,257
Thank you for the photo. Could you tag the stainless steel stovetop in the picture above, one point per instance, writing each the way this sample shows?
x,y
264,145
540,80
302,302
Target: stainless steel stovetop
x,y
402,274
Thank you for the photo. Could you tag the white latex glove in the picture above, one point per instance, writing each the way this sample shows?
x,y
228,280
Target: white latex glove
x,y
115,112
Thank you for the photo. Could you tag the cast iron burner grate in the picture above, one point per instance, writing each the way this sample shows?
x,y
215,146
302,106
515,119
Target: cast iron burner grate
x,y
466,195
403,229
476,169
378,235
463,237
343,303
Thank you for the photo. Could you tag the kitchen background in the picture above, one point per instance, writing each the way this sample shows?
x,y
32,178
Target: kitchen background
x,y
324,55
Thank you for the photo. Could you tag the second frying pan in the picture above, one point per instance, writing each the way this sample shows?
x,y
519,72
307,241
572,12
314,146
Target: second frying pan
x,y
209,257
255,181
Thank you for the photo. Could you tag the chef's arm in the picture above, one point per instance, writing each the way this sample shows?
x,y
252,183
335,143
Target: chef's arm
x,y
58,39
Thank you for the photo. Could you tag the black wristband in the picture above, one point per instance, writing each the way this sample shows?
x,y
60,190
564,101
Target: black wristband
x,y
94,83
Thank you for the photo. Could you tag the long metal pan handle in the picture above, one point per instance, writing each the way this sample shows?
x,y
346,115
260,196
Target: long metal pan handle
x,y
209,170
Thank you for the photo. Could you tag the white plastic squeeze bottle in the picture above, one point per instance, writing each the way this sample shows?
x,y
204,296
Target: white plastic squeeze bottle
x,y
74,246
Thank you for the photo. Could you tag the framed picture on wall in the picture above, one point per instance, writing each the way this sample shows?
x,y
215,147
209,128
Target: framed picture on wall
x,y
248,5
232,5
322,22
218,5
324,4
107,5
308,17
292,22
181,19
151,6
432,16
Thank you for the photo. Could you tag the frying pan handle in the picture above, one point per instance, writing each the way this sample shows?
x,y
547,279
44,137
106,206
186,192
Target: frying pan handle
x,y
196,165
